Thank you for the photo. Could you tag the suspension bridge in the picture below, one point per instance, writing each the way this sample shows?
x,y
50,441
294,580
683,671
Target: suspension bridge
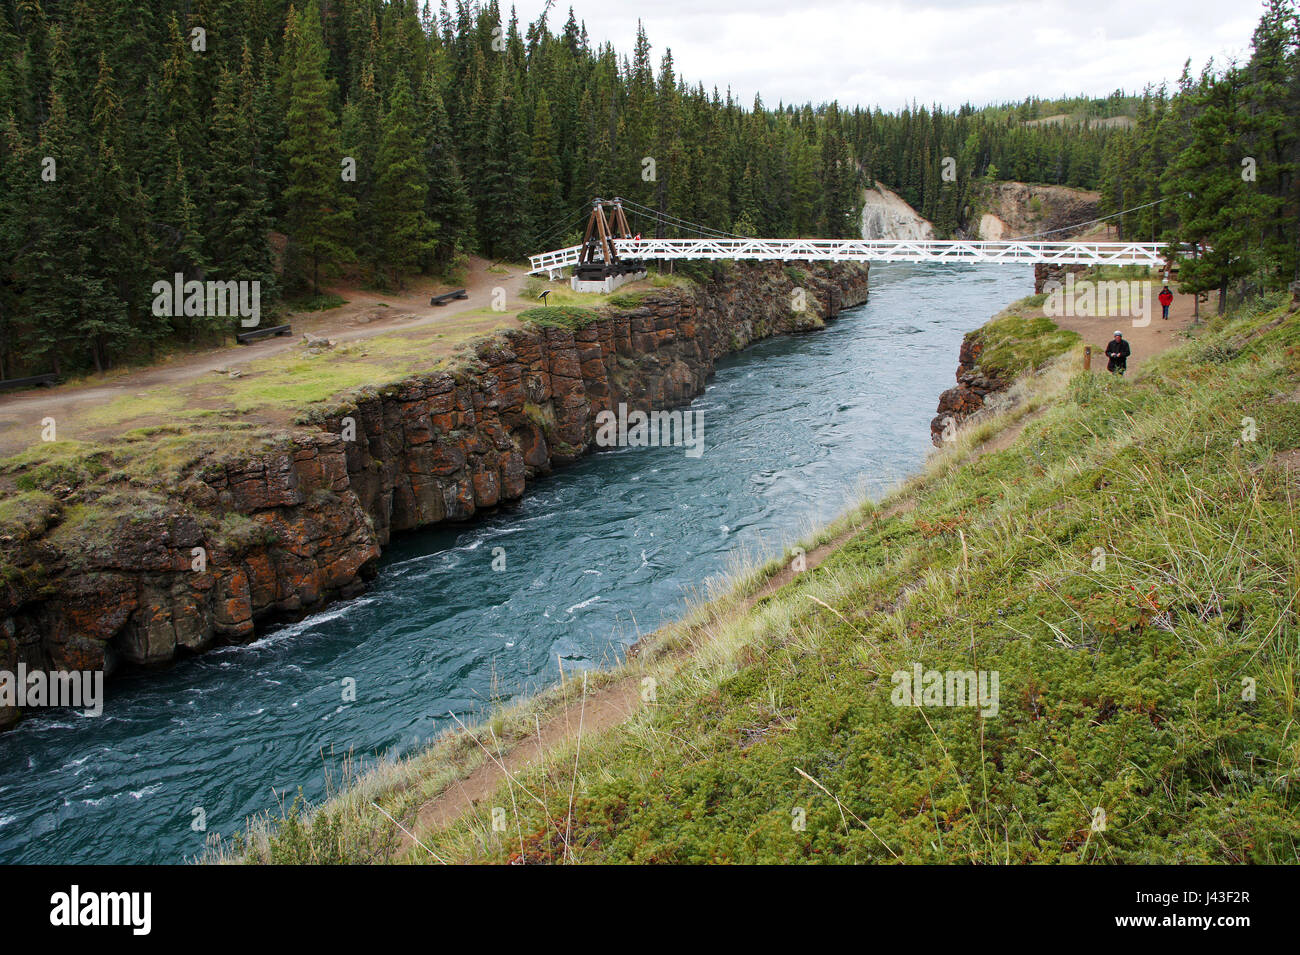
x,y
609,252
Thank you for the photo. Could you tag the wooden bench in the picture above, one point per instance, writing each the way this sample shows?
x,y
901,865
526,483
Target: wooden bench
x,y
9,384
245,337
448,296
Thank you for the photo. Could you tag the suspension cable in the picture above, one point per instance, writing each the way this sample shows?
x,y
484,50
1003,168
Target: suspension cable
x,y
693,226
1080,225
564,224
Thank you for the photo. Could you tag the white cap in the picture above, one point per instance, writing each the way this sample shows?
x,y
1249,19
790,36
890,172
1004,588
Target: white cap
x,y
1119,333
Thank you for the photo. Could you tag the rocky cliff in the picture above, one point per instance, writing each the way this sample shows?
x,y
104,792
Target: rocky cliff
x,y
238,543
974,384
1019,340
1004,210
886,215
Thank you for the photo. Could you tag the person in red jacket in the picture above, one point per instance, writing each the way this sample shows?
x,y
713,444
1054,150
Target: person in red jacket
x,y
1166,299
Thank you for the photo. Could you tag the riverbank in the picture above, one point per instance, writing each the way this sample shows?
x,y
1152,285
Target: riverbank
x,y
175,539
1120,552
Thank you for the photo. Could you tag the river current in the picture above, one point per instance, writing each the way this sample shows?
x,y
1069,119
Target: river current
x,y
595,555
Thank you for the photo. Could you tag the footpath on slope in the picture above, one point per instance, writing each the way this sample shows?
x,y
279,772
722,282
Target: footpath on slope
x,y
1145,341
613,704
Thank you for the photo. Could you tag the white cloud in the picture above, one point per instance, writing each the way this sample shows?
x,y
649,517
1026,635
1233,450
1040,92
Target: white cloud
x,y
930,51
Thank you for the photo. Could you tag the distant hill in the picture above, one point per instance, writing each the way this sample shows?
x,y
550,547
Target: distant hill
x,y
1079,119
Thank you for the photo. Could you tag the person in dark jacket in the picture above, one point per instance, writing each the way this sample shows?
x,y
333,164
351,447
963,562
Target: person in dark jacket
x,y
1166,299
1117,351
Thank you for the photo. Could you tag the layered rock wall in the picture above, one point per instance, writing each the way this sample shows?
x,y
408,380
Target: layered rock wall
x,y
285,530
1051,273
974,384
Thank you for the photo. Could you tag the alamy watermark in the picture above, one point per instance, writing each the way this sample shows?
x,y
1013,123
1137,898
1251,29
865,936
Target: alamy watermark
x,y
80,689
1087,299
654,429
920,687
176,297
74,908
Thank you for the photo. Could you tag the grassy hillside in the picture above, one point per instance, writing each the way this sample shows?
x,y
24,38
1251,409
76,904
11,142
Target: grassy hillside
x,y
1127,565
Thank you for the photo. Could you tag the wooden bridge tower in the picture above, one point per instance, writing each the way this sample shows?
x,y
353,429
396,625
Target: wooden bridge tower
x,y
600,259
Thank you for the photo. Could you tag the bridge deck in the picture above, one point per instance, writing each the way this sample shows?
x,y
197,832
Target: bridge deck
x,y
1020,251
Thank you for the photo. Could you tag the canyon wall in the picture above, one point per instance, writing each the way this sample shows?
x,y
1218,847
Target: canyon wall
x,y
281,532
974,384
1005,210
1053,274
886,215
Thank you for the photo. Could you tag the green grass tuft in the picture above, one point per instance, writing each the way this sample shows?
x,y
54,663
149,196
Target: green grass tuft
x,y
558,316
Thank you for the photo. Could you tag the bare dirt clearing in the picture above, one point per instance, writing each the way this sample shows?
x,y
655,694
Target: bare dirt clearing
x,y
186,386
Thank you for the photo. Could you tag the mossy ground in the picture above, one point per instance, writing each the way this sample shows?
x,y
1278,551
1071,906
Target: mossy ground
x,y
1020,339
1128,566
26,514
73,492
566,308
558,316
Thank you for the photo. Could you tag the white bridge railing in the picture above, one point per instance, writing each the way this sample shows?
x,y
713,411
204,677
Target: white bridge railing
x,y
871,250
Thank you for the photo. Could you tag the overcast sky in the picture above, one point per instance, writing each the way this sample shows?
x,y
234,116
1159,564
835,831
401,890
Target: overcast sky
x,y
934,51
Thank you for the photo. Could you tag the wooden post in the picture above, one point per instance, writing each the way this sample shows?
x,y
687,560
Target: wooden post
x,y
591,227
618,221
1196,296
1087,357
602,227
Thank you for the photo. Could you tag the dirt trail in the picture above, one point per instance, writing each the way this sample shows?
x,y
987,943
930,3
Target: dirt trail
x,y
365,315
1145,341
617,702
600,709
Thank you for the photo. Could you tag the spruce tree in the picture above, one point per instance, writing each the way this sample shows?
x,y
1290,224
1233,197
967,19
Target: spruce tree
x,y
20,173
238,235
447,200
268,124
504,218
318,216
116,230
544,169
1216,206
360,133
60,286
178,247
838,180
1272,132
405,235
